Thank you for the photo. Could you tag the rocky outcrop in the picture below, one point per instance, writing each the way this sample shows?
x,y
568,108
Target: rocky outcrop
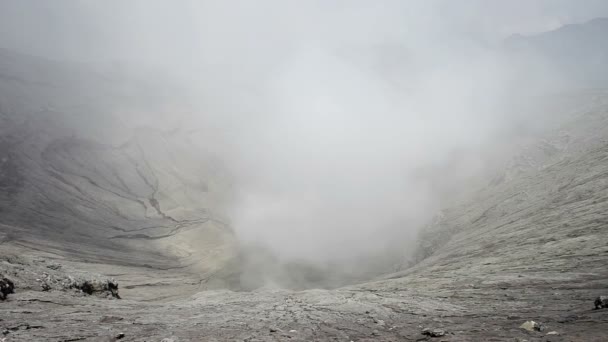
x,y
105,288
36,275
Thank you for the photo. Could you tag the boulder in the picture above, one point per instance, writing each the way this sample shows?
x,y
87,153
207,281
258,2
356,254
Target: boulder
x,y
532,326
6,287
433,332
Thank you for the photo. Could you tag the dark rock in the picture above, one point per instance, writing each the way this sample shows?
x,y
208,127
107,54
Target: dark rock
x,y
87,288
601,302
120,336
6,287
433,332
113,287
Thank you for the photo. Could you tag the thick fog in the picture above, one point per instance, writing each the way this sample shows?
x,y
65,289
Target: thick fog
x,y
345,125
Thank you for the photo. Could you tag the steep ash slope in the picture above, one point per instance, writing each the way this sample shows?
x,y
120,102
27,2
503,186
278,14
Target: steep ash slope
x,y
79,182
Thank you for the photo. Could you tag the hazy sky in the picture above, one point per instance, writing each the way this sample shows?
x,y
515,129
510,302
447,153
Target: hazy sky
x,y
159,30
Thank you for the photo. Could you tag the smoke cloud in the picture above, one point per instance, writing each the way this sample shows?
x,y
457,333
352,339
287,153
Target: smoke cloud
x,y
346,125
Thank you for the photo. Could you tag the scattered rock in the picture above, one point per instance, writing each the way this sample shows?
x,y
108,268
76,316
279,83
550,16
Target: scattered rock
x,y
433,332
601,302
6,287
532,326
167,340
120,336
274,329
375,333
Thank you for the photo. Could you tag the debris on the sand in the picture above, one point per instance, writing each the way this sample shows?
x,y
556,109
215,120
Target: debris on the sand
x,y
552,333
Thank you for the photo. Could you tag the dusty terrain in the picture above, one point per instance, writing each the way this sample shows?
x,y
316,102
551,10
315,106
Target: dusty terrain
x,y
530,244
